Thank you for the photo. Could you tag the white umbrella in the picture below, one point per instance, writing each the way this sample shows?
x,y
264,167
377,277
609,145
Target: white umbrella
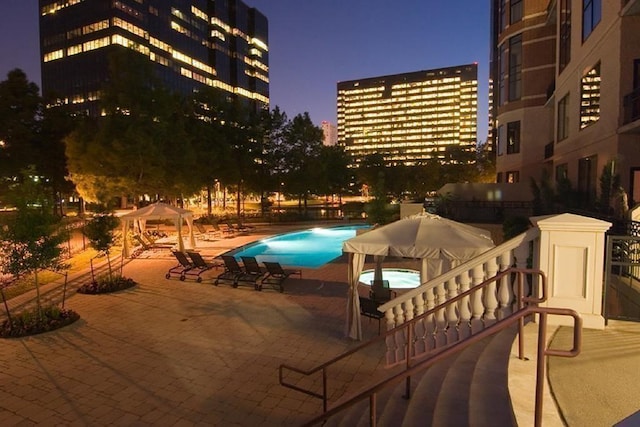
x,y
439,242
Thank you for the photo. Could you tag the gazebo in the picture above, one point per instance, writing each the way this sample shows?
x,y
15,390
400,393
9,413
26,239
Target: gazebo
x,y
439,242
158,211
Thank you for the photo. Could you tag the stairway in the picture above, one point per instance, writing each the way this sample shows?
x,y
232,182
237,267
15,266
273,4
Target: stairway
x,y
468,389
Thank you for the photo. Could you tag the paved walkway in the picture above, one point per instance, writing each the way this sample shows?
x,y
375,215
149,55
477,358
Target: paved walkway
x,y
172,353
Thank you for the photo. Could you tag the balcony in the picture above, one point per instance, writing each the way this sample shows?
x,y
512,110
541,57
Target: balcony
x,y
631,112
630,7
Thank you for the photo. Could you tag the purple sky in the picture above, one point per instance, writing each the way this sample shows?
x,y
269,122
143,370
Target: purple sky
x,y
314,44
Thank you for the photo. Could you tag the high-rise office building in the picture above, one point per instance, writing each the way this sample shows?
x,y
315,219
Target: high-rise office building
x,y
195,43
409,118
567,92
329,133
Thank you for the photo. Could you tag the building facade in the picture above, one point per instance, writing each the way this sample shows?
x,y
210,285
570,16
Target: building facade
x,y
191,44
329,133
409,118
567,79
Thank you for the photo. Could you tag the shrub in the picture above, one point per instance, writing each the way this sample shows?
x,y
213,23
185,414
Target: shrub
x,y
30,323
107,284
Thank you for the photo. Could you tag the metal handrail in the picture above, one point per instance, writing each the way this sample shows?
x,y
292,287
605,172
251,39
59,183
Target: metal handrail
x,y
521,301
542,351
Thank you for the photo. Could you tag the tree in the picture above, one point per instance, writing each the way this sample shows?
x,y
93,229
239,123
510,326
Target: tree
x,y
20,107
140,146
334,167
32,239
99,232
298,156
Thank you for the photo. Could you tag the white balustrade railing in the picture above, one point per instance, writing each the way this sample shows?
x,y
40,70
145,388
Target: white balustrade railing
x,y
473,312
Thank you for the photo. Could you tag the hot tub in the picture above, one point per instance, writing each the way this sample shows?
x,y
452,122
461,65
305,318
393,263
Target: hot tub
x,y
399,278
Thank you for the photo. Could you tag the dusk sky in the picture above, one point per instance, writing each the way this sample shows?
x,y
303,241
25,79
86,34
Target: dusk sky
x,y
314,44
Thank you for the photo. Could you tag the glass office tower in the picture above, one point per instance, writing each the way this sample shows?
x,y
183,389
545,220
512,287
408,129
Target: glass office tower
x,y
191,43
409,118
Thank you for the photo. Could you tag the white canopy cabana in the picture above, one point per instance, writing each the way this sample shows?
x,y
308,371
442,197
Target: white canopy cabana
x,y
439,242
158,211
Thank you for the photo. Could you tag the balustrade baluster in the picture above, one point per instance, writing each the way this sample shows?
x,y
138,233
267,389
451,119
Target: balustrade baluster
x,y
390,340
505,291
452,318
490,296
420,331
400,336
477,308
521,254
464,328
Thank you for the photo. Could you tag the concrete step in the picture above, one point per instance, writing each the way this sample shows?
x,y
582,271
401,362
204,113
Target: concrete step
x,y
489,400
469,388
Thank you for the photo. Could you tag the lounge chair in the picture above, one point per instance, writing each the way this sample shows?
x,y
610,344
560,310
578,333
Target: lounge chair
x,y
183,266
369,308
252,267
151,246
276,275
212,234
236,274
226,232
380,291
236,228
199,265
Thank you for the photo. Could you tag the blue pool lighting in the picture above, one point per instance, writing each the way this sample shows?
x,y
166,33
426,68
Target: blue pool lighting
x,y
309,248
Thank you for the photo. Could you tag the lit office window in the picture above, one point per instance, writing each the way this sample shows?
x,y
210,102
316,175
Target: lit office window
x,y
513,137
512,177
590,97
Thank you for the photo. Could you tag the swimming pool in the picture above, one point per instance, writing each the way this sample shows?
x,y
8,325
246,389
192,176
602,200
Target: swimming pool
x,y
399,278
308,248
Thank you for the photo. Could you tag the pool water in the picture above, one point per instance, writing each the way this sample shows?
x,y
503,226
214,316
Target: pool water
x,y
399,278
309,248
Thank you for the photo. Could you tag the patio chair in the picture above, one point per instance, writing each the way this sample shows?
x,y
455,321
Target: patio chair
x,y
226,232
276,275
199,265
212,234
236,274
183,266
251,266
236,227
151,246
380,291
369,308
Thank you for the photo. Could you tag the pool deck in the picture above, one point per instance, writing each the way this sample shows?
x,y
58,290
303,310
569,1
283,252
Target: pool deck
x,y
172,353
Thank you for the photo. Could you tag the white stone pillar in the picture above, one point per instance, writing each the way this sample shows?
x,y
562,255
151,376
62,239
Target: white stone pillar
x,y
571,253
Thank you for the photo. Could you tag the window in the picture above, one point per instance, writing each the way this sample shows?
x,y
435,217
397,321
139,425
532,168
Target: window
x,y
515,67
562,172
515,11
499,177
503,14
501,139
590,97
591,14
563,118
513,137
502,69
564,55
512,177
